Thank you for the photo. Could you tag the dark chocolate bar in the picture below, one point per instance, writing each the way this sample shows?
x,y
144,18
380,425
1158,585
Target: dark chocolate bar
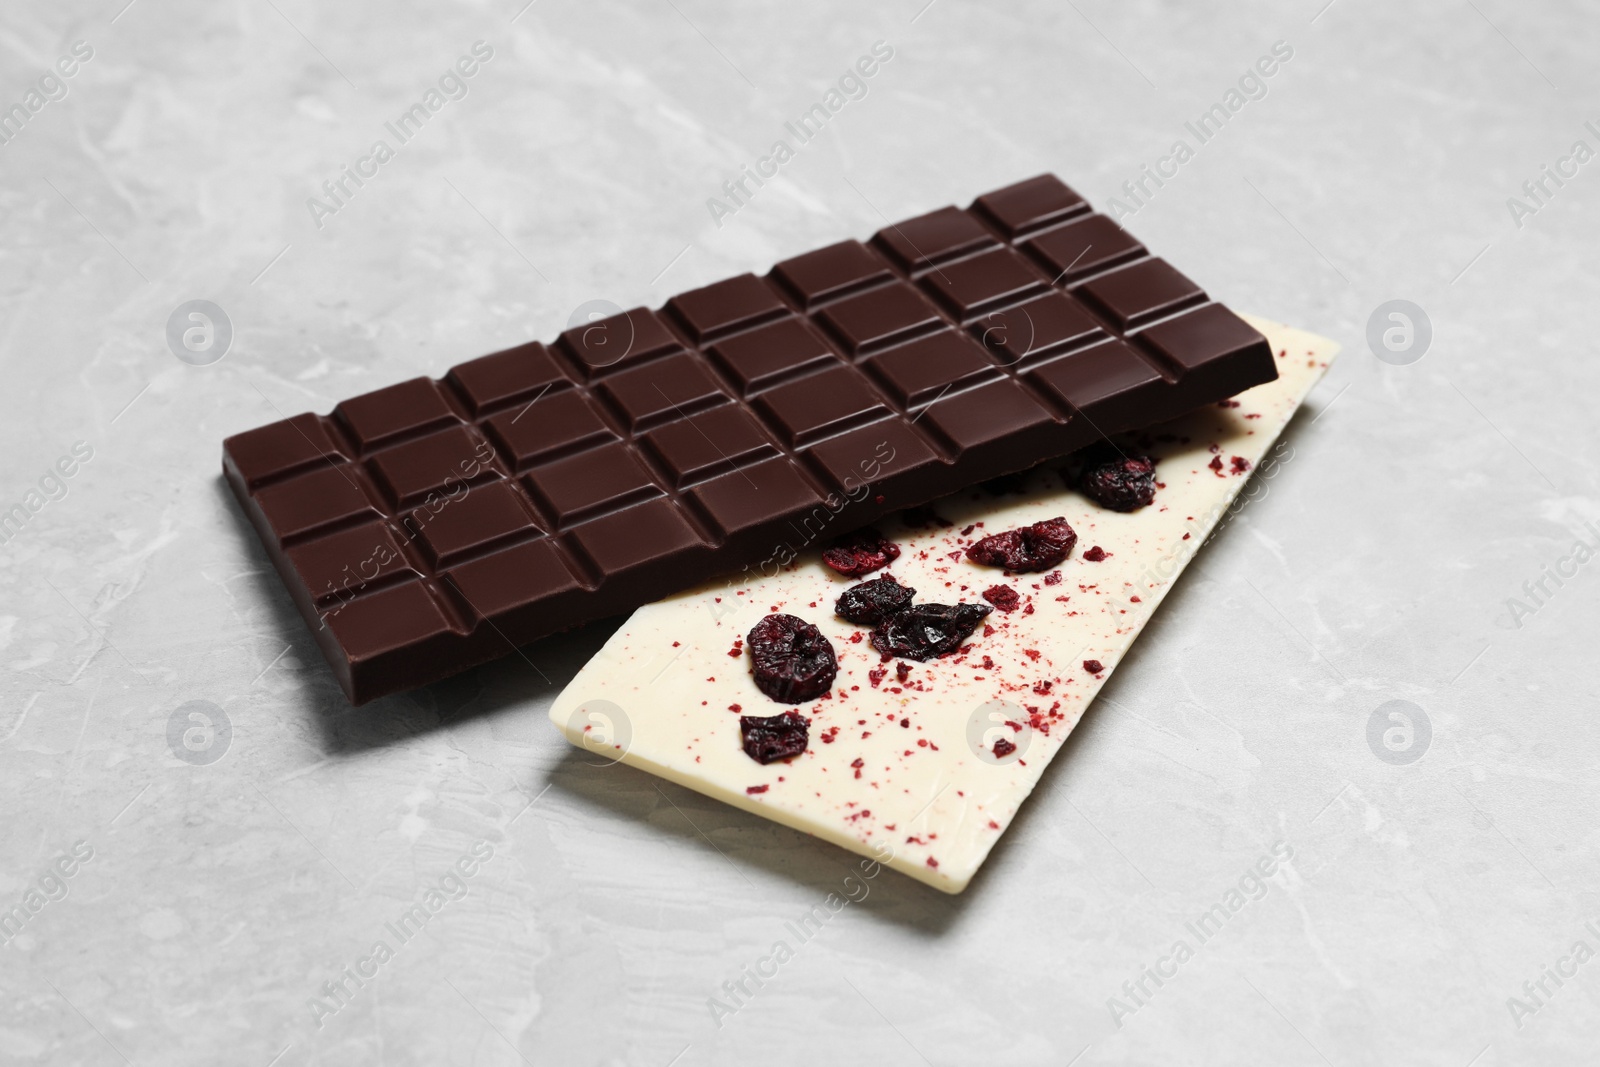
x,y
434,525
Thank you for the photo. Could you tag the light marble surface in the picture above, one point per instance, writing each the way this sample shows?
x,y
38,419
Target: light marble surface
x,y
218,898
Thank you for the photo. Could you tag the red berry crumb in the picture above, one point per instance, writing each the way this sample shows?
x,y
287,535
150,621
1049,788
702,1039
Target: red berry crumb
x,y
861,552
753,789
1095,554
1003,748
1003,597
1093,666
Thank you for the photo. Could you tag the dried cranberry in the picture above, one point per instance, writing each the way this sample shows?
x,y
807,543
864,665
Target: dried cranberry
x,y
1032,548
861,552
1117,480
871,602
1095,554
928,630
793,662
767,740
1003,748
1093,666
1003,597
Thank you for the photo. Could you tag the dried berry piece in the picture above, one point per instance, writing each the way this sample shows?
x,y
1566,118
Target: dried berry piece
x,y
1003,748
861,552
1121,481
871,602
1003,597
928,630
1093,666
767,740
1095,554
1032,548
793,662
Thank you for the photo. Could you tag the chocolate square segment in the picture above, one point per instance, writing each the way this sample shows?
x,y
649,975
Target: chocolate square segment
x,y
969,288
513,586
1074,252
922,371
887,459
281,448
1107,384
439,463
710,443
515,375
383,416
1211,347
552,426
832,272
671,388
769,354
344,565
812,408
922,243
320,497
991,418
764,493
619,341
579,487
478,518
882,317
394,630
652,533
1032,205
1040,329
726,306
1144,292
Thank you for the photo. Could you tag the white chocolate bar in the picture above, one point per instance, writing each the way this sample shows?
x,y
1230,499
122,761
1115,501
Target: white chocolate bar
x,y
906,771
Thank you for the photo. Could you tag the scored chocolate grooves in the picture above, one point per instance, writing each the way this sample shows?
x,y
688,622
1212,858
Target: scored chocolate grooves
x,y
436,524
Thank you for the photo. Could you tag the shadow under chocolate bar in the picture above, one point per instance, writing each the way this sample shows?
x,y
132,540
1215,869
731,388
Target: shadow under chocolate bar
x,y
434,525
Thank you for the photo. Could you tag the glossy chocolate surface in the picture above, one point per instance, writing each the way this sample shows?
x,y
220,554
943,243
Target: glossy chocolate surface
x,y
433,525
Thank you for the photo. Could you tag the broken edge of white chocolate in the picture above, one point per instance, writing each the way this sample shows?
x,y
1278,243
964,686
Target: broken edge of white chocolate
x,y
902,764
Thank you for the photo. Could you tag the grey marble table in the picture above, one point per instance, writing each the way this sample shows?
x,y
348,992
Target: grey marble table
x,y
173,893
